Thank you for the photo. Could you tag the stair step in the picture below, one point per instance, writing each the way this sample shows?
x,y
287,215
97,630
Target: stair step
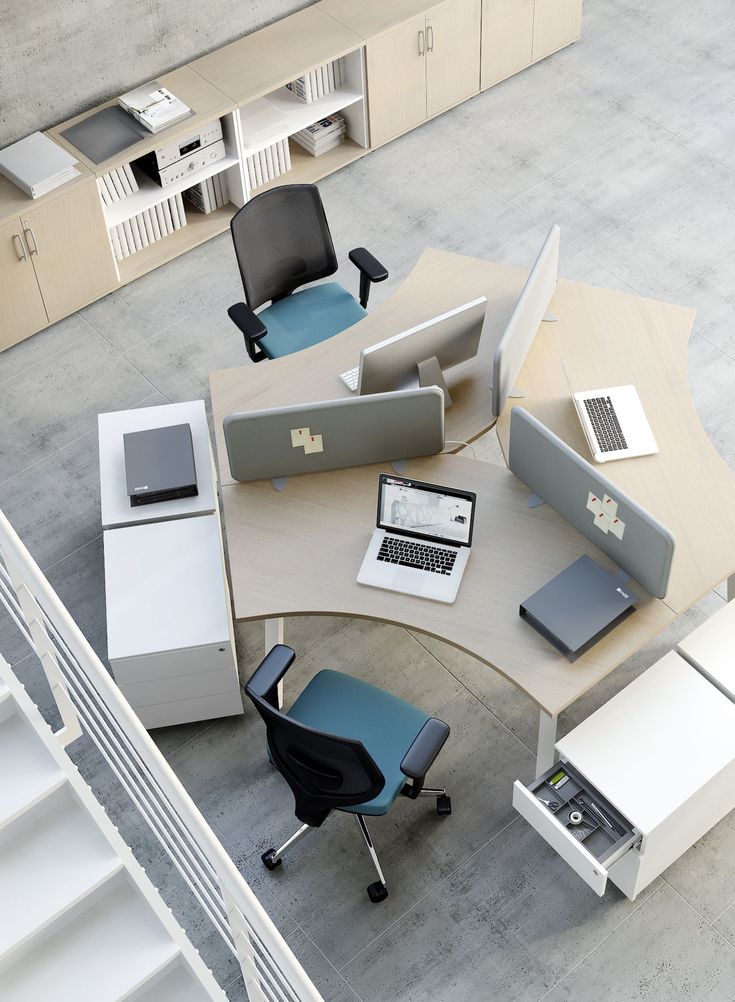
x,y
101,955
27,770
48,864
177,984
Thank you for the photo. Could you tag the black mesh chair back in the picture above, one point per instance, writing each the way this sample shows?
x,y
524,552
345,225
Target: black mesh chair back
x,y
282,241
324,771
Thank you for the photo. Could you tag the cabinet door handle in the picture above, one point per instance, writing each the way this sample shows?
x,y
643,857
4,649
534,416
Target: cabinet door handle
x,y
430,38
28,232
19,247
422,43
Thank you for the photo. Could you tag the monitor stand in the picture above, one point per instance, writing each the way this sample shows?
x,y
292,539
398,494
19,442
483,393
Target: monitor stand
x,y
430,374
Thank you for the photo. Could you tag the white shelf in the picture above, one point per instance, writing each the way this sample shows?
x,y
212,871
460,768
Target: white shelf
x,y
296,115
151,194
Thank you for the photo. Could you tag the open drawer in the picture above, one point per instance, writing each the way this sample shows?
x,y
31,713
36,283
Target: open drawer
x,y
576,821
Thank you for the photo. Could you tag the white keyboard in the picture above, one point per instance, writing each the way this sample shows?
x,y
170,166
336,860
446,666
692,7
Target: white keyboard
x,y
350,378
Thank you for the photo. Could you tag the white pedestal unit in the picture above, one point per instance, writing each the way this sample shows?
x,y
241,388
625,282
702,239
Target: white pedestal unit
x,y
169,628
710,649
657,762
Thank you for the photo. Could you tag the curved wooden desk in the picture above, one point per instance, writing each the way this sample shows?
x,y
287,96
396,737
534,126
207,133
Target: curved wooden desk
x,y
298,552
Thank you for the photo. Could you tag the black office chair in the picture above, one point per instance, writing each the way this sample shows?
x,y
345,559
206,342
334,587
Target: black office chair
x,y
282,241
345,745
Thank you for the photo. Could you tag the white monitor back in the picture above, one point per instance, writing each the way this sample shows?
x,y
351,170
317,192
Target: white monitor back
x,y
525,320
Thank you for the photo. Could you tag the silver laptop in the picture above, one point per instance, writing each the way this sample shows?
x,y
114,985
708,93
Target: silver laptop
x,y
422,543
615,423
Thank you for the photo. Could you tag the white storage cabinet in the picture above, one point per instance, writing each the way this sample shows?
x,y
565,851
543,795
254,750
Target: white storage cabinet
x,y
657,761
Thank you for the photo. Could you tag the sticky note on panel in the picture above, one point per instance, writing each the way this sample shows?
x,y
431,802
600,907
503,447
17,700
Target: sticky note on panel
x,y
593,504
609,506
299,436
617,527
313,444
602,521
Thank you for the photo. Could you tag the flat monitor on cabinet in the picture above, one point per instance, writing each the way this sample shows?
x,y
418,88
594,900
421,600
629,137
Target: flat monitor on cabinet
x,y
420,355
525,320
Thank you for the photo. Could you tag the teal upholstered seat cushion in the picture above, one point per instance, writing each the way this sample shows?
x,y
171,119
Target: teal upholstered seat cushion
x,y
308,317
350,708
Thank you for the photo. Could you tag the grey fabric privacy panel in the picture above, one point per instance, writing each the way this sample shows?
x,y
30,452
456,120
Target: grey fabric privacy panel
x,y
634,539
334,434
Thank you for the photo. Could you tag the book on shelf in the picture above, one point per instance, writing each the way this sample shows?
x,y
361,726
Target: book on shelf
x,y
154,106
317,82
321,136
37,165
117,184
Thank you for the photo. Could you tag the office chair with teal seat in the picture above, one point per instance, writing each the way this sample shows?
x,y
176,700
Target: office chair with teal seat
x,y
345,745
282,242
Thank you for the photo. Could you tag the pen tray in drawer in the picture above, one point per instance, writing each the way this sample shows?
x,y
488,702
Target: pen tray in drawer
x,y
600,839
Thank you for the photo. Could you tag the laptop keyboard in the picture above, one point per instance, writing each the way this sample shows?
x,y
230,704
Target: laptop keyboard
x,y
605,424
394,550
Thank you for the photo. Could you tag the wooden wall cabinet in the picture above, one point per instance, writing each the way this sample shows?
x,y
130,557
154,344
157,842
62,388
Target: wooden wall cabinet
x,y
507,39
422,66
556,23
22,312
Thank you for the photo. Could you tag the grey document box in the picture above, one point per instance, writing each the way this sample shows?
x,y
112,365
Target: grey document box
x,y
334,434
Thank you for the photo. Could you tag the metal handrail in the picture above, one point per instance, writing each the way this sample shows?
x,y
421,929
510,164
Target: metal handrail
x,y
88,697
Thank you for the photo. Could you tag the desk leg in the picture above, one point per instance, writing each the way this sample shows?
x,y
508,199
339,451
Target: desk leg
x,y
546,742
731,588
273,636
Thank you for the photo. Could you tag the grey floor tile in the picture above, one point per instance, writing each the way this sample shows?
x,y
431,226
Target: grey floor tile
x,y
664,951
42,346
713,297
529,147
507,925
605,189
705,874
328,980
167,295
178,360
676,240
725,924
79,581
417,849
57,401
55,505
711,378
712,137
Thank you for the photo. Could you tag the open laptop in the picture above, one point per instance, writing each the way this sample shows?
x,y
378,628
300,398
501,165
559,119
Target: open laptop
x,y
614,423
422,541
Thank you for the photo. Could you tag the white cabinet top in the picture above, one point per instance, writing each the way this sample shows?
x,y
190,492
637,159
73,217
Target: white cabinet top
x,y
710,648
116,507
165,587
656,743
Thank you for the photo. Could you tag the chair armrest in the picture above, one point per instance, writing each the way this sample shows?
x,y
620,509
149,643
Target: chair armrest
x,y
252,327
270,671
425,747
371,270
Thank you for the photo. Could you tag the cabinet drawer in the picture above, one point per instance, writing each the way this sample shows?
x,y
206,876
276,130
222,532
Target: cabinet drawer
x,y
164,690
591,846
171,664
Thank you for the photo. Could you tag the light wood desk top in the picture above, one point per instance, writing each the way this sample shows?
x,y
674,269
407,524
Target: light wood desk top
x,y
299,552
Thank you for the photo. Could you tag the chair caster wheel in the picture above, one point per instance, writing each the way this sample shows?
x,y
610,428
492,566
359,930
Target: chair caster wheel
x,y
377,892
270,862
443,805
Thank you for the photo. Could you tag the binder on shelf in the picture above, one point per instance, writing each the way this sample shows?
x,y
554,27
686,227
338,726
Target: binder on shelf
x,y
162,225
37,165
148,227
168,216
153,216
180,206
115,241
269,163
128,230
260,121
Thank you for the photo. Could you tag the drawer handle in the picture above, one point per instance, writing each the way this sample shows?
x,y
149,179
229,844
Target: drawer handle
x,y
19,247
422,43
430,38
28,232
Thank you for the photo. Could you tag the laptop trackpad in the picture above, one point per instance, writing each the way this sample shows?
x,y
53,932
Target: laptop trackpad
x,y
409,580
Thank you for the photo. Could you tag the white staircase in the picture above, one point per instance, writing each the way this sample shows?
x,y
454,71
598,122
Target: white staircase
x,y
79,919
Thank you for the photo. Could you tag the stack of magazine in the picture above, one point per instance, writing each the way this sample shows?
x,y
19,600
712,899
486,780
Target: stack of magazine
x,y
317,83
147,227
209,195
117,184
268,164
322,135
154,106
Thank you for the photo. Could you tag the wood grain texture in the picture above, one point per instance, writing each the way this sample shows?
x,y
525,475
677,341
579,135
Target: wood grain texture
x,y
452,54
269,58
371,19
605,339
299,551
23,311
14,202
396,80
556,23
507,38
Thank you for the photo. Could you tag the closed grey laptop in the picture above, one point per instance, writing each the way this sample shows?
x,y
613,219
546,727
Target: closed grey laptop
x,y
422,541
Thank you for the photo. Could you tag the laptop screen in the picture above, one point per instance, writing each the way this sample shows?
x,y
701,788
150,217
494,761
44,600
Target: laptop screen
x,y
428,511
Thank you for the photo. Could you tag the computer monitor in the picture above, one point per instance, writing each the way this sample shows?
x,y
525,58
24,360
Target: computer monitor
x,y
419,356
525,320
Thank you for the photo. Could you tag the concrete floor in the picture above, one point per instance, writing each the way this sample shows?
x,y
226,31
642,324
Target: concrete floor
x,y
625,140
